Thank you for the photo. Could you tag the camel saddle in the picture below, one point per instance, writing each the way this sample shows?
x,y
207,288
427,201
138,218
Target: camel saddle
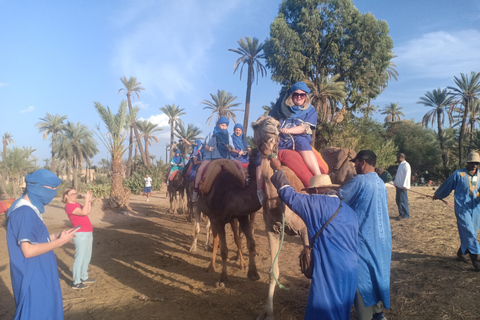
x,y
172,176
213,169
294,161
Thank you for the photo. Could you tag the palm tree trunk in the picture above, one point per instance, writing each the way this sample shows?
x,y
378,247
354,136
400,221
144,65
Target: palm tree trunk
x,y
462,134
442,142
171,142
135,129
130,152
247,98
54,138
146,152
116,192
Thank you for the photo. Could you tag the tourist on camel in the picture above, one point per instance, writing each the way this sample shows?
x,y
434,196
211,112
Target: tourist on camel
x,y
218,145
297,120
242,147
195,159
175,164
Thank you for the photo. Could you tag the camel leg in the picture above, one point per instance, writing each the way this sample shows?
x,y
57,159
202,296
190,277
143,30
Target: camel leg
x,y
175,202
238,242
208,228
252,266
196,229
216,240
274,242
224,253
170,196
182,201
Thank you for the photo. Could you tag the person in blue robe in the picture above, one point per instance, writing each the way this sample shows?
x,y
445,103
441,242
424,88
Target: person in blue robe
x,y
334,253
218,145
242,147
467,206
33,265
176,163
366,194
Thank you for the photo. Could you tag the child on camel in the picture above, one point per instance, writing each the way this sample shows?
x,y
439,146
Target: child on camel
x,y
218,145
297,120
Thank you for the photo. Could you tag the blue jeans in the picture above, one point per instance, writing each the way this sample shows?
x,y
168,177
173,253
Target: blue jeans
x,y
83,253
402,203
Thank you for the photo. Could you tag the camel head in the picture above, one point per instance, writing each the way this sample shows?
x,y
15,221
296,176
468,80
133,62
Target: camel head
x,y
265,135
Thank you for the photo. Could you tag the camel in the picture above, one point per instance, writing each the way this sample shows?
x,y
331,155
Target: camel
x,y
266,138
176,184
229,200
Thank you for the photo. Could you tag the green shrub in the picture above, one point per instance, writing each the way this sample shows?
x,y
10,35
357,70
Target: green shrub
x,y
135,183
100,190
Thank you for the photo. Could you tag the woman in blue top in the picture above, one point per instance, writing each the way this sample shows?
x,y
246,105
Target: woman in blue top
x,y
175,164
297,120
242,147
218,145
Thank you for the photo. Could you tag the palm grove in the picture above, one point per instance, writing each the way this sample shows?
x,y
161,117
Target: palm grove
x,y
344,56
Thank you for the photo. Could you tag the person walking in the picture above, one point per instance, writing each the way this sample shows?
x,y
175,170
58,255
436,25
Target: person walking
x,y
334,252
33,265
366,194
402,184
83,239
467,209
148,187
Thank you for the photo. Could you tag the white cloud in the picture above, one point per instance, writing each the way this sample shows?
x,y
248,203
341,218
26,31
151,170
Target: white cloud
x,y
165,44
3,84
28,110
439,55
140,105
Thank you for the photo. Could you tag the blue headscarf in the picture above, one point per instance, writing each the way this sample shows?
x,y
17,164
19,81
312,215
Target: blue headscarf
x,y
38,195
282,111
222,137
241,141
196,147
177,158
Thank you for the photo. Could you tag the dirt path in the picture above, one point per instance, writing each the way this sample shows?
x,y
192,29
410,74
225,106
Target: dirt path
x,y
145,271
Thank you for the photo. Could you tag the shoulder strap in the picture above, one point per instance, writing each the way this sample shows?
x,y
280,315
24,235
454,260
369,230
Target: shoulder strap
x,y
326,224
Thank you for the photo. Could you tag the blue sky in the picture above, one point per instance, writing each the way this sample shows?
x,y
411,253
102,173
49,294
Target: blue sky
x,y
62,56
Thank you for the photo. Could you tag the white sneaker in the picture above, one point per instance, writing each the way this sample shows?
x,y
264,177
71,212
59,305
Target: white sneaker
x,y
147,199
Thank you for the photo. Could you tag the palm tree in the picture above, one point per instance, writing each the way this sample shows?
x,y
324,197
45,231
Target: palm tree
x,y
52,125
191,134
16,164
77,143
132,118
368,110
391,71
222,106
466,92
326,91
173,113
148,129
113,141
6,140
267,109
249,51
440,101
132,86
393,112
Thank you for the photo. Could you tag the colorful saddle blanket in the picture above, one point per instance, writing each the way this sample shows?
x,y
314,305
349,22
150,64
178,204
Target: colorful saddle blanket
x,y
294,161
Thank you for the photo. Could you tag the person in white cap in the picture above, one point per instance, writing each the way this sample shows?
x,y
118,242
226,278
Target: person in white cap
x,y
467,208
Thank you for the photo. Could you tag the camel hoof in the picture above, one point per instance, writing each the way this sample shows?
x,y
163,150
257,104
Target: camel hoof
x,y
220,285
264,316
253,275
193,248
211,268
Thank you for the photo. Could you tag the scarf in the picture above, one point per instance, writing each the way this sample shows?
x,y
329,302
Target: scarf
x,y
177,159
239,141
222,141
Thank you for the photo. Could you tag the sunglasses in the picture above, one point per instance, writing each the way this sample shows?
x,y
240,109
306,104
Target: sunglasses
x,y
72,194
299,95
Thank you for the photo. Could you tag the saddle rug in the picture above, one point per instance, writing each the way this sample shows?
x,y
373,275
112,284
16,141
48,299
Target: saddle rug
x,y
294,161
213,169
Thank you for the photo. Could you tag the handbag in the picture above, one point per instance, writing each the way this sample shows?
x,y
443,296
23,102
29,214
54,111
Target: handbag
x,y
306,265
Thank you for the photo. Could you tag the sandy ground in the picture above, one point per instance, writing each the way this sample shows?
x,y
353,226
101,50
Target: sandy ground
x,y
145,270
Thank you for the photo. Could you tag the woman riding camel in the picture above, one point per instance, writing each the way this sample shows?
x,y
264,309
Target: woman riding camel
x,y
297,120
175,164
242,147
218,145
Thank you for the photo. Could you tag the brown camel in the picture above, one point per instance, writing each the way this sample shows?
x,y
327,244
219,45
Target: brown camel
x,y
174,186
266,138
229,200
